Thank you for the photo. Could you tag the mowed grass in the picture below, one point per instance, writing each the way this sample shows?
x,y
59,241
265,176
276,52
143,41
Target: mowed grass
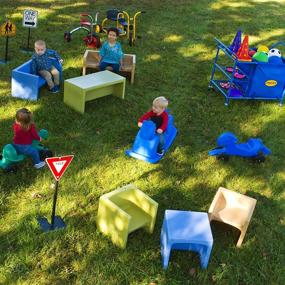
x,y
174,59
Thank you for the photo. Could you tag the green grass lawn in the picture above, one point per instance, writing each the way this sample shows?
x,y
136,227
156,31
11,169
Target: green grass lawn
x,y
174,59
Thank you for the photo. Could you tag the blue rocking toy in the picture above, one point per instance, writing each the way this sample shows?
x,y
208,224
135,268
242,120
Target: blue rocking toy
x,y
227,145
147,140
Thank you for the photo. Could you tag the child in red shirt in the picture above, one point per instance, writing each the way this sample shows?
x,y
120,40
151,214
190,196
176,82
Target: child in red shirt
x,y
159,116
24,134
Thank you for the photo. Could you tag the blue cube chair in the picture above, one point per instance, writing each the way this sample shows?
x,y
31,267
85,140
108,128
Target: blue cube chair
x,y
147,140
26,85
186,230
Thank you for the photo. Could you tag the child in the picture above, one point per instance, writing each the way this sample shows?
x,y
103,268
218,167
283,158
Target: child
x,y
24,134
111,54
159,116
42,64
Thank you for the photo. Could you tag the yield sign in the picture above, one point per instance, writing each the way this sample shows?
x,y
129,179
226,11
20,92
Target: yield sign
x,y
58,165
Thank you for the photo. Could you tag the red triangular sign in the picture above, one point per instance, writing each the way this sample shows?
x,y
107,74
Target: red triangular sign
x,y
58,165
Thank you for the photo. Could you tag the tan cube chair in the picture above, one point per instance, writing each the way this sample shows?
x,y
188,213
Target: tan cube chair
x,y
233,209
91,60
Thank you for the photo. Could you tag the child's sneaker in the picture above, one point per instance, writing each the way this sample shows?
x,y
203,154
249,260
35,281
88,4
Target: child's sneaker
x,y
57,87
40,165
54,89
161,152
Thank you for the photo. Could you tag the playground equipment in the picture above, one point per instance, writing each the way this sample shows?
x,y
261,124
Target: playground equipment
x,y
261,80
26,85
10,157
233,209
227,145
147,140
123,211
91,26
125,24
91,60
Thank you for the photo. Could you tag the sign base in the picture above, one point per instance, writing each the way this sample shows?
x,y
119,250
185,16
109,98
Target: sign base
x,y
4,61
26,50
46,226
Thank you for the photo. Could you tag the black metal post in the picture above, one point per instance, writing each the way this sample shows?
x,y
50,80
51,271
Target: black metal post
x,y
6,51
54,204
29,34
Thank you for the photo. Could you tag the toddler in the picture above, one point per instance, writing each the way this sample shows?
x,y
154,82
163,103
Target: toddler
x,y
111,54
24,134
160,117
42,64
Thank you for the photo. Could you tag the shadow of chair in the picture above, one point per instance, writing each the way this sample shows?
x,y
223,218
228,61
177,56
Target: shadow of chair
x,y
123,211
232,208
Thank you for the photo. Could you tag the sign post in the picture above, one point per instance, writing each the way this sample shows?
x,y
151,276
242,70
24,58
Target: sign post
x,y
57,166
7,30
30,20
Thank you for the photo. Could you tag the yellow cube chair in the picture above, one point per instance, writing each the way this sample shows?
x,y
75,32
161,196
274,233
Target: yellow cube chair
x,y
232,208
91,60
123,211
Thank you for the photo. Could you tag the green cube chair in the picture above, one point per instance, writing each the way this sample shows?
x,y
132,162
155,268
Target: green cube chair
x,y
123,211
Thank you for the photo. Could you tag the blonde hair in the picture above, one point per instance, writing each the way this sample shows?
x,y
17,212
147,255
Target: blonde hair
x,y
40,43
160,101
24,118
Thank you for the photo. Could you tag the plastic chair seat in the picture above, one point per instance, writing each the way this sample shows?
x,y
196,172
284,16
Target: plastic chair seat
x,y
123,211
232,208
186,230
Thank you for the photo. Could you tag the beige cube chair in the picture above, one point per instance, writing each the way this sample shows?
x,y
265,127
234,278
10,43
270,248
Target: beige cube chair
x,y
232,208
91,60
123,211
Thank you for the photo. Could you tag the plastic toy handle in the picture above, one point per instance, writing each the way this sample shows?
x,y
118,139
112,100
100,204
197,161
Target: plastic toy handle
x,y
84,14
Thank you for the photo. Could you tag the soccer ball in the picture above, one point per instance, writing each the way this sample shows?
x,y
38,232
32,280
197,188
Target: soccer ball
x,y
274,52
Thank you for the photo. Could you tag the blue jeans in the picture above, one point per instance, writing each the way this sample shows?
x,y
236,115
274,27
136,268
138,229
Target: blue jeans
x,y
29,150
161,142
115,66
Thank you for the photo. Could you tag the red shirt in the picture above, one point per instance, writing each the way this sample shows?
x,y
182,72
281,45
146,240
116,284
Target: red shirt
x,y
25,137
160,121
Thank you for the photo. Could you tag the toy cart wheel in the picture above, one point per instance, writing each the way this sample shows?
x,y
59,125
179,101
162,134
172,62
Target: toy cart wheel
x,y
11,169
223,157
259,159
98,29
131,40
211,88
45,153
67,36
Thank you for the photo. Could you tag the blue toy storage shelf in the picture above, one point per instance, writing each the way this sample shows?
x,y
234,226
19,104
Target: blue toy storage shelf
x,y
261,81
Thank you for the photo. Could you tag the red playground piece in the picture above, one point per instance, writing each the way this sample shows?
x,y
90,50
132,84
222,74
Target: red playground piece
x,y
242,53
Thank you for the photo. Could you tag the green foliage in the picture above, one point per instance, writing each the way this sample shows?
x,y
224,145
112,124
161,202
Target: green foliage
x,y
174,59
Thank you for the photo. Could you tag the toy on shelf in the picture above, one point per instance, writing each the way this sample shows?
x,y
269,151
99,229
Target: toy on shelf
x,y
125,24
242,53
228,145
147,140
10,157
234,47
259,80
91,26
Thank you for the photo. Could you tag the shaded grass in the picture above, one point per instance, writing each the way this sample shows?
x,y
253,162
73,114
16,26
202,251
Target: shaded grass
x,y
174,59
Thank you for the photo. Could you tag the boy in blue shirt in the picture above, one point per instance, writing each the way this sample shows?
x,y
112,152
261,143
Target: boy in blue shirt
x,y
111,54
42,64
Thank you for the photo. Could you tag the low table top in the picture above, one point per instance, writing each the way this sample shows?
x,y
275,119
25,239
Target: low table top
x,y
101,78
188,226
